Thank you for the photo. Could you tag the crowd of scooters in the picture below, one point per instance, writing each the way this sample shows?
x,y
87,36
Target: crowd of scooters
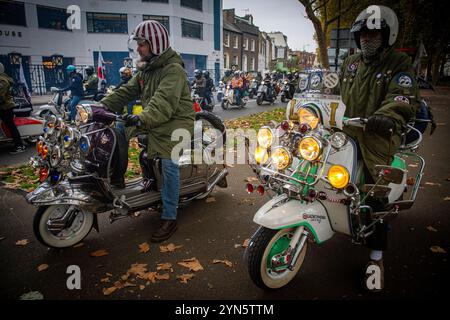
x,y
237,87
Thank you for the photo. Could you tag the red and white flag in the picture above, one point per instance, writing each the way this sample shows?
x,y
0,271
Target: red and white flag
x,y
100,69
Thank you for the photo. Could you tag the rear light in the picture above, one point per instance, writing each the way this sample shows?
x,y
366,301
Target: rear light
x,y
44,152
303,128
197,107
312,194
249,187
43,174
285,125
260,190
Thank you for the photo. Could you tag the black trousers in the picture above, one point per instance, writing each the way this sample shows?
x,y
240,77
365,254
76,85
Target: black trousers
x,y
7,117
378,239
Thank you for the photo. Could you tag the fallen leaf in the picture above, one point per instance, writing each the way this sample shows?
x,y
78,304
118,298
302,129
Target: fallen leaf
x,y
437,249
99,253
447,199
246,243
42,267
164,276
237,245
164,266
79,245
150,276
104,280
229,165
192,263
2,238
169,248
226,262
251,179
141,287
22,242
125,277
108,291
128,284
430,228
109,274
184,278
210,199
413,165
138,269
144,247
432,184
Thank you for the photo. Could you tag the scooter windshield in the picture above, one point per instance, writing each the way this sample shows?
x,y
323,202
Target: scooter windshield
x,y
319,82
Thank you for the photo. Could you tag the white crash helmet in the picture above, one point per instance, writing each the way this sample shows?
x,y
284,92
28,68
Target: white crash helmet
x,y
377,15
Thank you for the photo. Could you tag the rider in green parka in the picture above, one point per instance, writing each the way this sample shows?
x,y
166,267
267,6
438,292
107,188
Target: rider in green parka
x,y
378,84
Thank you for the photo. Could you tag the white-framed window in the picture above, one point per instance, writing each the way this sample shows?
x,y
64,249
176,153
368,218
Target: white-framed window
x,y
245,44
235,42
244,62
252,64
226,40
235,60
253,45
226,60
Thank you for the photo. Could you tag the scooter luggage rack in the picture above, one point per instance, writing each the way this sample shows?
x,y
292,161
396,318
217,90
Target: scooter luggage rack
x,y
290,179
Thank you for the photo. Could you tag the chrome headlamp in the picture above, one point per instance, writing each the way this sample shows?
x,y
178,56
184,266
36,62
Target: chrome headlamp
x,y
281,158
84,145
310,148
70,136
265,137
84,114
338,140
55,156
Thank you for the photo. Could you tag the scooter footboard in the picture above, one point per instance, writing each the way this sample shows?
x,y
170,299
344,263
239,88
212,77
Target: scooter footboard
x,y
282,213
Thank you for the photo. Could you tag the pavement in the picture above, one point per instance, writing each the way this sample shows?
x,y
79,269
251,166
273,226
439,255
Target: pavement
x,y
416,262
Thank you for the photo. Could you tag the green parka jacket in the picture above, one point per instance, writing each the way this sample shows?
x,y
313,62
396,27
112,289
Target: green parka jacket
x,y
6,101
162,87
385,87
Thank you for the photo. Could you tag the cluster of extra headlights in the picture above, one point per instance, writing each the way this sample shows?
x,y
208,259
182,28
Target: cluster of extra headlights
x,y
310,148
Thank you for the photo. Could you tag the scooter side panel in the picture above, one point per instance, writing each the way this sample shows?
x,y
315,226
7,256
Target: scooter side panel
x,y
338,212
279,214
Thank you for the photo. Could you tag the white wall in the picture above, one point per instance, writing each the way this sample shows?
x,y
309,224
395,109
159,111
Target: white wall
x,y
37,42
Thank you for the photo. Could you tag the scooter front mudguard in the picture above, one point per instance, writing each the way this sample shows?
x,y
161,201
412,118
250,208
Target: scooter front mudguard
x,y
281,213
65,193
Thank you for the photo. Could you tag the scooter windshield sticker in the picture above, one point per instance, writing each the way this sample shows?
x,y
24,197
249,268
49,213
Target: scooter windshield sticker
x,y
316,80
303,83
331,80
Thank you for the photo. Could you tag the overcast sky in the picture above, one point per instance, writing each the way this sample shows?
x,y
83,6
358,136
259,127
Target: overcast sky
x,y
286,16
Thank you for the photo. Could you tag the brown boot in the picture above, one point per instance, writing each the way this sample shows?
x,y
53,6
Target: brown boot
x,y
166,229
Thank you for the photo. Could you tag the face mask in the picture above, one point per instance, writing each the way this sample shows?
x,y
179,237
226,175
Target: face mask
x,y
370,47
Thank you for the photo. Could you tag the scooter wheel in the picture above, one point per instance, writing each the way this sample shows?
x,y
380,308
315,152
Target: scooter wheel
x,y
259,101
264,245
67,237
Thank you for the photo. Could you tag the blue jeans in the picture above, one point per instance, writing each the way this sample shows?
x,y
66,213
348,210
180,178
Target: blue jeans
x,y
170,189
237,93
73,107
